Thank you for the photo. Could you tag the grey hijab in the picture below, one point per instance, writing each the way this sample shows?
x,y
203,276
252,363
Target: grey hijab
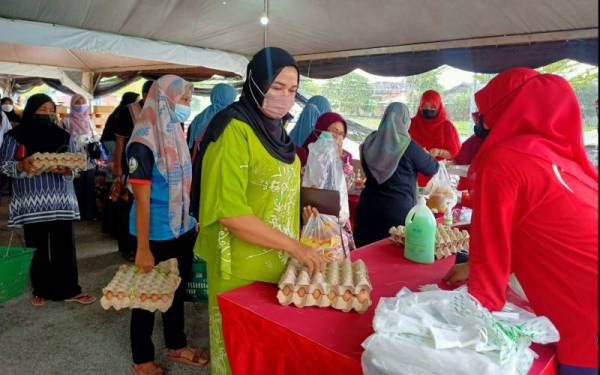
x,y
383,149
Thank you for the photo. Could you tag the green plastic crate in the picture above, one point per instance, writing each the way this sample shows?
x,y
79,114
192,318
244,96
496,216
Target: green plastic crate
x,y
197,288
14,271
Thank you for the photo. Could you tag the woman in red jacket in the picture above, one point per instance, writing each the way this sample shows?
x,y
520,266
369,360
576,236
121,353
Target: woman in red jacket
x,y
432,130
535,198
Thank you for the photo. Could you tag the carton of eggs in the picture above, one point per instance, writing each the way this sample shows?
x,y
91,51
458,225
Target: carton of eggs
x,y
343,286
150,291
448,240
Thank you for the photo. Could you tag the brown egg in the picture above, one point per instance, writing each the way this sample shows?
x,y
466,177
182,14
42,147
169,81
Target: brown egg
x,y
143,297
301,292
108,295
331,295
165,298
347,296
287,290
317,294
363,296
154,297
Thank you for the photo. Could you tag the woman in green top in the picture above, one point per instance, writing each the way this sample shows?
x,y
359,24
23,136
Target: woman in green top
x,y
250,189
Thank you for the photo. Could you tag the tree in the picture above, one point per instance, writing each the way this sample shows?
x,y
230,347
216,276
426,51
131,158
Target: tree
x,y
351,94
420,83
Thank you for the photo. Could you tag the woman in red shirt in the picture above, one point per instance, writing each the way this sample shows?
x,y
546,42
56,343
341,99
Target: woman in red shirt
x,y
535,210
432,130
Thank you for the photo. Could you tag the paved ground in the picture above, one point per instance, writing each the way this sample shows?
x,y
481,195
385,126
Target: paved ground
x,y
62,338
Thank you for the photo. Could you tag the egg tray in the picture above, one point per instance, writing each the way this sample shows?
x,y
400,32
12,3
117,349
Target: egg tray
x,y
150,291
343,286
44,161
448,241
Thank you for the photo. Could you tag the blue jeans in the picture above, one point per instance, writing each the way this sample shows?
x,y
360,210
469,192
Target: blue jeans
x,y
574,370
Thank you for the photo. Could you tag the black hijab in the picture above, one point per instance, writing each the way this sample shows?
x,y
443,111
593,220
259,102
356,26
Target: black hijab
x,y
260,73
108,134
37,134
12,115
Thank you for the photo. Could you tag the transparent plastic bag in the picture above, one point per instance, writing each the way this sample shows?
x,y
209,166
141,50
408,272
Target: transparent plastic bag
x,y
441,195
324,170
324,234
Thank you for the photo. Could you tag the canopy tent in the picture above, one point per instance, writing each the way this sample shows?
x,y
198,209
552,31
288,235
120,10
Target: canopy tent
x,y
49,74
329,38
34,49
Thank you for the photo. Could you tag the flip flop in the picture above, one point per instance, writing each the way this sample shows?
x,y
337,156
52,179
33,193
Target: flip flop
x,y
199,359
156,371
37,301
84,299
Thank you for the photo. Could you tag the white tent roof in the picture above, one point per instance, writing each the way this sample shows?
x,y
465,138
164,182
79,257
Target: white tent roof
x,y
78,49
52,72
313,27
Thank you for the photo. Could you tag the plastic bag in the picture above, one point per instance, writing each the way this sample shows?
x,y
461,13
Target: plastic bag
x,y
324,170
324,233
432,331
441,196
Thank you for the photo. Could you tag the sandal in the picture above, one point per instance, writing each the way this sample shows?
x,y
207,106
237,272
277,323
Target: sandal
x,y
136,370
37,301
84,299
199,358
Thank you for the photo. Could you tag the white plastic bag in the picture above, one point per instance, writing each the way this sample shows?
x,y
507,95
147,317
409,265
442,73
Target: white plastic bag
x,y
324,170
434,331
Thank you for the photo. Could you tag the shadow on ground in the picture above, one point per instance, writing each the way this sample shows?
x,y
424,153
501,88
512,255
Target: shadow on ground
x,y
61,338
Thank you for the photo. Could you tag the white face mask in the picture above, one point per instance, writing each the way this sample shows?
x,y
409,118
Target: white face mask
x,y
7,107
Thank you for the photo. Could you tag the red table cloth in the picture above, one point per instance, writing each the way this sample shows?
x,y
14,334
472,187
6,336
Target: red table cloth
x,y
263,337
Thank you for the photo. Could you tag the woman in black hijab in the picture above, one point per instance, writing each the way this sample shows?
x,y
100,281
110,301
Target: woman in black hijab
x,y
44,203
248,180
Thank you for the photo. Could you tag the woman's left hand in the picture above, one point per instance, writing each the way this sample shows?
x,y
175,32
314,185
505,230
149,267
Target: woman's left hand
x,y
458,273
307,212
440,153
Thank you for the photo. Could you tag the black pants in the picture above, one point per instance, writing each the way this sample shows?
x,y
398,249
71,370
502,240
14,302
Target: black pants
x,y
85,190
126,241
142,321
54,265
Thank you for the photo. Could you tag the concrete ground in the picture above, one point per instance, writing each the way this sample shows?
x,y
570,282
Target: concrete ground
x,y
61,338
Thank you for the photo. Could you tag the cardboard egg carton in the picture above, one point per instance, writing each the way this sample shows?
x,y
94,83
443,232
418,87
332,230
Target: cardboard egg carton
x,y
343,286
448,240
150,291
44,161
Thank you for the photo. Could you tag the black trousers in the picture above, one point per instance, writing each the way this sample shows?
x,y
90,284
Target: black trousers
x,y
54,265
85,190
126,242
142,321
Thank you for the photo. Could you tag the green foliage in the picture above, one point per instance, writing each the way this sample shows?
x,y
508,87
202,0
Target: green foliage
x,y
351,94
